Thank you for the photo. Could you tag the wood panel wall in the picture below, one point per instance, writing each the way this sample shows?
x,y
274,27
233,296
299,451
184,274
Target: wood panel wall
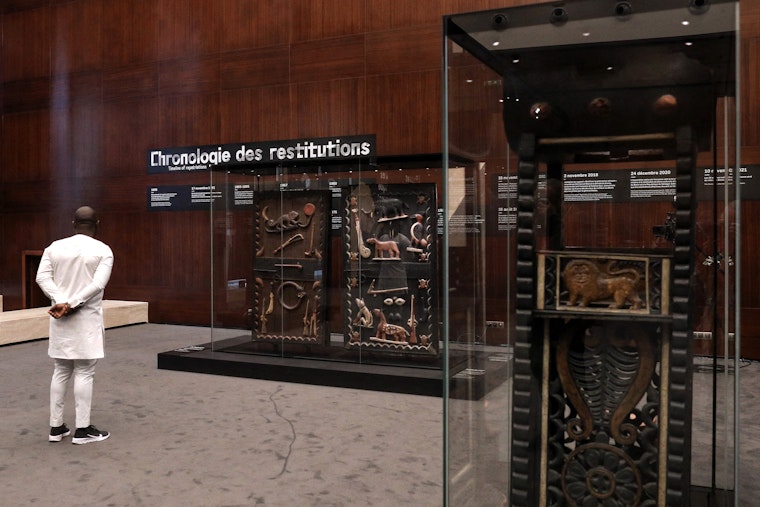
x,y
88,86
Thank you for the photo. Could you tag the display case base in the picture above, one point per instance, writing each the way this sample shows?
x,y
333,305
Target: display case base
x,y
702,496
472,376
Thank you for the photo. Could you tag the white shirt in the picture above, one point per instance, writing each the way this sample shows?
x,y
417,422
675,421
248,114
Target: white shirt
x,y
75,270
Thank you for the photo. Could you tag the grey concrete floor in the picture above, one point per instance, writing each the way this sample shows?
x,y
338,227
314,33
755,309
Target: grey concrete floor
x,y
189,439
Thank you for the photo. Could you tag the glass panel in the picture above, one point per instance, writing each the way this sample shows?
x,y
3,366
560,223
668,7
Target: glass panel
x,y
592,240
481,211
335,263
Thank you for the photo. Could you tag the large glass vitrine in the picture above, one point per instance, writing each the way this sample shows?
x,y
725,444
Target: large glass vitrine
x,y
591,244
318,267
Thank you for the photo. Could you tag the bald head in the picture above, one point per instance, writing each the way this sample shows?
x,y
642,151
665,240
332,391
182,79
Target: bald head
x,y
85,221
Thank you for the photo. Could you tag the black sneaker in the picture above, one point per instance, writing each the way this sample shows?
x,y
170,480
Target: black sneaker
x,y
89,434
57,433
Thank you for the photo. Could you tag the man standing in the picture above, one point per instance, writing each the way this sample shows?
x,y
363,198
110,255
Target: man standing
x,y
73,273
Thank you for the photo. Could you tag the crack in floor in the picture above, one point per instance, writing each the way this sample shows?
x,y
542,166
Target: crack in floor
x,y
292,430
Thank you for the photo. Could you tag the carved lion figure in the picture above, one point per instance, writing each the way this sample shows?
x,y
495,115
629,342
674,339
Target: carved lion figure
x,y
587,283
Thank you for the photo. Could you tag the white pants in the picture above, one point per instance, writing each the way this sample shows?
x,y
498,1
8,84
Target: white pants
x,y
84,374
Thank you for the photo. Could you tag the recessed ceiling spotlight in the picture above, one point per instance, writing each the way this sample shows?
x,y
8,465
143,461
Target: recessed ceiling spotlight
x,y
685,22
586,34
558,16
699,6
500,22
623,10
495,43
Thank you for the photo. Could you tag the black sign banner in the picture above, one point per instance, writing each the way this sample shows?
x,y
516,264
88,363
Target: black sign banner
x,y
289,152
621,185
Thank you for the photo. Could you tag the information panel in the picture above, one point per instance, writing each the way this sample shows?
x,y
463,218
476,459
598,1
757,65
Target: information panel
x,y
619,185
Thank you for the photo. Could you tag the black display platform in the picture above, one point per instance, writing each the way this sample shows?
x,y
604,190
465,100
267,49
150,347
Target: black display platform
x,y
473,374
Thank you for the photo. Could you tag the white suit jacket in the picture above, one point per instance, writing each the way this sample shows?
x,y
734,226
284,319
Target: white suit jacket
x,y
75,270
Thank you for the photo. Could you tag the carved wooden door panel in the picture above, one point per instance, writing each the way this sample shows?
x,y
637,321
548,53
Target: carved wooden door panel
x,y
602,362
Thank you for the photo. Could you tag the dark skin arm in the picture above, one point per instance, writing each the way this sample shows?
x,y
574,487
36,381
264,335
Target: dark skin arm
x,y
61,310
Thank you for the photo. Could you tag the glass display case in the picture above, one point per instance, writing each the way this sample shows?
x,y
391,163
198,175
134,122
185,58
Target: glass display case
x,y
317,255
320,267
590,245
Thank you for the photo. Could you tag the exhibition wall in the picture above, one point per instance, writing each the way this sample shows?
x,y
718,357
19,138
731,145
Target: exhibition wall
x,y
90,86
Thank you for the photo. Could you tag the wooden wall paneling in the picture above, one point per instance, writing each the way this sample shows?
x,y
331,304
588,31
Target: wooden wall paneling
x,y
188,28
188,307
128,193
194,75
246,24
77,43
256,114
130,82
130,32
750,103
15,241
336,58
184,248
306,20
379,14
26,44
188,120
620,225
750,325
457,6
26,95
76,142
77,88
749,19
322,19
750,269
404,111
25,148
189,262
20,5
406,50
476,127
330,108
130,129
162,258
22,198
67,194
256,67
136,240
150,71
385,15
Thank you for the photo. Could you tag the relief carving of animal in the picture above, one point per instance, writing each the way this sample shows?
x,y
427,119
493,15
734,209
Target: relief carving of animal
x,y
587,283
381,247
286,222
363,316
389,332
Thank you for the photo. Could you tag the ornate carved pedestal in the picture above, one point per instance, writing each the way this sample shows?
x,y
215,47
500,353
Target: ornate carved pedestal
x,y
602,385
